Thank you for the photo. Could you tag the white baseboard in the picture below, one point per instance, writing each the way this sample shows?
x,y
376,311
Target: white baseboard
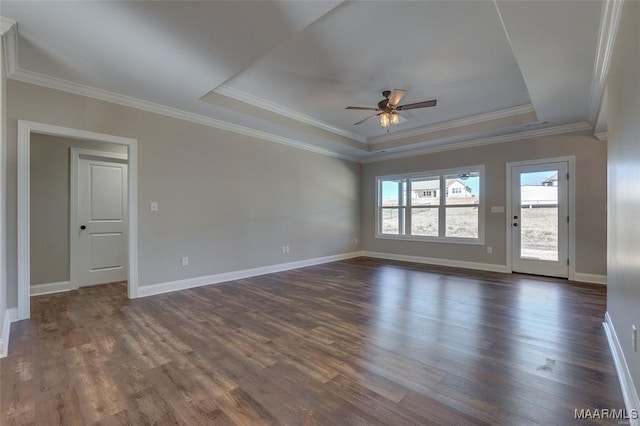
x,y
10,316
590,278
153,289
629,392
49,288
439,262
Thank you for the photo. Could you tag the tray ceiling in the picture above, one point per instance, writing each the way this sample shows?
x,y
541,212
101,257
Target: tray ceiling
x,y
289,68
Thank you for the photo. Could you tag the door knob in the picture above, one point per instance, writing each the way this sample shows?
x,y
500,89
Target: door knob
x,y
83,227
515,224
515,217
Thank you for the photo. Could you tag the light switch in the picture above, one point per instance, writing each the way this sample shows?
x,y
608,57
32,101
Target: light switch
x,y
497,209
154,206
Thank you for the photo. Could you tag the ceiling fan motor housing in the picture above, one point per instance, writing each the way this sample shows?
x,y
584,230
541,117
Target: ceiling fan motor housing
x,y
383,105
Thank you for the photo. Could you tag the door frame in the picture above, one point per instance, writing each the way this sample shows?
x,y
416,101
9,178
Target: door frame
x,y
76,153
25,129
571,186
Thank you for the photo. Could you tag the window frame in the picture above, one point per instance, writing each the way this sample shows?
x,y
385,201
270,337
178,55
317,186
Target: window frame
x,y
405,206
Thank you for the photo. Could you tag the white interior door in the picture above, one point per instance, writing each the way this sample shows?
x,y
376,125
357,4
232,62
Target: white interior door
x,y
540,219
99,234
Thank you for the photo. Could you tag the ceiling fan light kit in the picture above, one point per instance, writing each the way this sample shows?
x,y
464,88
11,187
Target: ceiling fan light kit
x,y
384,120
388,118
389,108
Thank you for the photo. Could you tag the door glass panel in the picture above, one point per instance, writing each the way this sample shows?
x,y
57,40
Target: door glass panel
x,y
539,215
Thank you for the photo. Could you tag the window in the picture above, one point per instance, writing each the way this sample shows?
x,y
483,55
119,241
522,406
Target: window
x,y
439,206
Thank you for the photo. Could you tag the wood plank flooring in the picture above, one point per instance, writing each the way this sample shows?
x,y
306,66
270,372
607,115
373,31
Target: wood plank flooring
x,y
361,341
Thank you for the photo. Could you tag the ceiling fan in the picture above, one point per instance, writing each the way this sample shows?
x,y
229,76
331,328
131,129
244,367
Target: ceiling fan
x,y
389,108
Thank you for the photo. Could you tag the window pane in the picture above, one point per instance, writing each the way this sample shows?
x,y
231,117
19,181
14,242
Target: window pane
x,y
539,215
390,221
539,232
425,191
462,222
391,195
463,188
424,221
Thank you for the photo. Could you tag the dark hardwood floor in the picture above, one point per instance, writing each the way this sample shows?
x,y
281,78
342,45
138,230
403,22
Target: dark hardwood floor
x,y
361,341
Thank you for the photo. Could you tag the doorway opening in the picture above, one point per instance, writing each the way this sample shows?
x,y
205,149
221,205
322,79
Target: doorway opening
x,y
540,206
113,178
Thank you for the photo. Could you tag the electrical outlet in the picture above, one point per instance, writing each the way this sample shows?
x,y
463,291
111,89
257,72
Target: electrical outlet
x,y
185,261
489,250
286,249
634,338
154,206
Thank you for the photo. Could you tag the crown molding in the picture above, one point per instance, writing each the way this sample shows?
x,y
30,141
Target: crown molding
x,y
256,101
8,29
549,131
611,12
116,98
475,119
603,136
6,24
103,95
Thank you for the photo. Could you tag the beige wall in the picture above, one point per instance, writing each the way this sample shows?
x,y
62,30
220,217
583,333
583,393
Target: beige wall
x,y
623,292
227,201
49,216
591,191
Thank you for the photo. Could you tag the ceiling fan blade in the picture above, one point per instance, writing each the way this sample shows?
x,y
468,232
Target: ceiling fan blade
x,y
362,108
368,118
424,104
396,96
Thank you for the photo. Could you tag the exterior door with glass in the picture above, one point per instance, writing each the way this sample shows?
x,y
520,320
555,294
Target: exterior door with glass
x,y
540,219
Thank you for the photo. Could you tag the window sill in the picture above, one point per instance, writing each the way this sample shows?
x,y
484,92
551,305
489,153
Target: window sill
x,y
466,241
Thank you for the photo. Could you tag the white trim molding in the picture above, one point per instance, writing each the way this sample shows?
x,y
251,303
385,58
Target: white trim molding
x,y
629,392
490,267
161,288
50,288
603,136
116,98
590,278
610,18
537,133
31,77
16,73
258,102
474,119
10,316
25,128
6,24
8,29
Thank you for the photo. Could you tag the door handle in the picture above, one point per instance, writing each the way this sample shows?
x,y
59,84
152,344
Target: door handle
x,y
83,227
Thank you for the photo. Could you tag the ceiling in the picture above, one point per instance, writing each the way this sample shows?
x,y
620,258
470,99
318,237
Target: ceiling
x,y
286,70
